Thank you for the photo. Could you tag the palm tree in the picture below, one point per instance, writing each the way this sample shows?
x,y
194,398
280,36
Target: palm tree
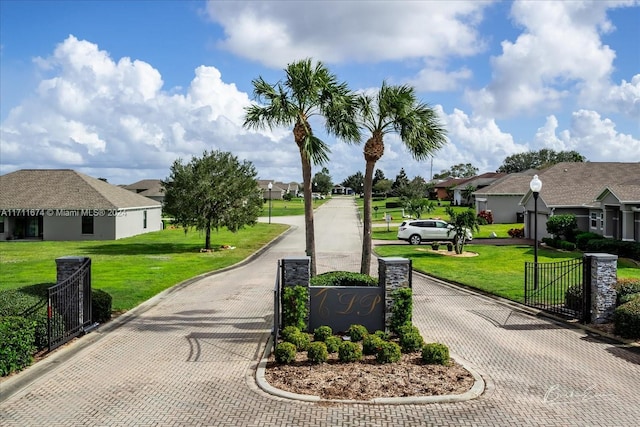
x,y
308,90
394,109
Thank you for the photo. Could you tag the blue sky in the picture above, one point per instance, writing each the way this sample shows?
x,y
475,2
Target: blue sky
x,y
121,89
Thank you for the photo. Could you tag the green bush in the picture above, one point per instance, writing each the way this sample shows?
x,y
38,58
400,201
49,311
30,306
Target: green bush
x,y
616,247
382,334
321,333
370,344
582,239
29,302
17,337
357,332
100,306
317,352
567,246
401,312
435,354
628,297
285,353
626,319
626,287
333,343
301,340
573,297
562,226
343,278
410,342
288,332
294,307
388,352
349,352
550,241
516,233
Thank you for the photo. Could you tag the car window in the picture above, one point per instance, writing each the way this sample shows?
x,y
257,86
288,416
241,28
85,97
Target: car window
x,y
441,224
429,224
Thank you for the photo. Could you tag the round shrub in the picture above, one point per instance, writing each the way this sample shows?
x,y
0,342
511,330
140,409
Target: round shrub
x,y
411,341
100,306
333,343
626,319
388,352
301,340
435,354
408,328
573,297
317,352
285,353
321,333
583,238
349,352
626,287
357,332
371,344
382,334
288,332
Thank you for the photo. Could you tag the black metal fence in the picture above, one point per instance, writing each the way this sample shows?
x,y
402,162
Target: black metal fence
x,y
69,306
277,314
558,287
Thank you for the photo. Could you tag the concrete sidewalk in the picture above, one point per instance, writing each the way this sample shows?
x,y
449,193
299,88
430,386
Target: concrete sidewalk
x,y
189,356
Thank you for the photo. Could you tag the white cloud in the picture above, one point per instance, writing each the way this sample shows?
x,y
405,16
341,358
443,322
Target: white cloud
x,y
93,113
594,137
276,33
559,52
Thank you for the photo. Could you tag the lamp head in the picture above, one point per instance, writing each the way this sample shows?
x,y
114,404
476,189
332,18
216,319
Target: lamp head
x,y
535,185
270,186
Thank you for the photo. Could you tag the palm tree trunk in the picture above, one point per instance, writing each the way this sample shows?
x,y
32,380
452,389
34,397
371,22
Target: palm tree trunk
x,y
365,263
308,212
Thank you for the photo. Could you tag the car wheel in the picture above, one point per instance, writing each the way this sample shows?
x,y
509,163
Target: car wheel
x,y
415,239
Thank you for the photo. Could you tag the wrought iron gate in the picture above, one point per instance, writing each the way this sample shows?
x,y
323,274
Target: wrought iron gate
x,y
561,288
69,309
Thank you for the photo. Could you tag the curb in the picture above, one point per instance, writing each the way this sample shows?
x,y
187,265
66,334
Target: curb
x,y
474,392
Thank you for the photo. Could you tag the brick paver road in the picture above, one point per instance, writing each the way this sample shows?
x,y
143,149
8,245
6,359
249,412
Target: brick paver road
x,y
188,358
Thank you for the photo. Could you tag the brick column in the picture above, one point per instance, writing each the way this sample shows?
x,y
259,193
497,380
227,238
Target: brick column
x,y
296,271
393,273
603,275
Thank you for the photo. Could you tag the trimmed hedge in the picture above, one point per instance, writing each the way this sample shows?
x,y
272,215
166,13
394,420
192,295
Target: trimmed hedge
x,y
582,239
343,278
626,287
29,302
617,247
17,336
100,306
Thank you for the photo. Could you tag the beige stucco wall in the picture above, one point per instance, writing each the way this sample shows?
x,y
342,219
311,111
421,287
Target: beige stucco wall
x,y
503,208
70,228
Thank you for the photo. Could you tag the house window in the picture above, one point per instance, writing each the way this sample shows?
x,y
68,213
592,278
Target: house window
x,y
144,219
601,220
87,225
594,220
1,224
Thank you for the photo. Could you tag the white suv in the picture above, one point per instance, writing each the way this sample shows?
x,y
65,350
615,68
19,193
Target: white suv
x,y
416,230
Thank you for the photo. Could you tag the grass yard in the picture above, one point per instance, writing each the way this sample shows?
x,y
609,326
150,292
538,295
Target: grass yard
x,y
134,269
396,213
285,208
498,270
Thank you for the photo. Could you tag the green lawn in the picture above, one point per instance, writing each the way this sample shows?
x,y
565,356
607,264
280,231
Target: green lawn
x,y
134,269
498,270
285,208
396,213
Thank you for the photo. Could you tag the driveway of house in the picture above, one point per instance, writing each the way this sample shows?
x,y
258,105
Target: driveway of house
x,y
188,357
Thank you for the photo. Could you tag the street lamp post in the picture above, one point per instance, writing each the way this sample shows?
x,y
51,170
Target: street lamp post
x,y
270,186
535,185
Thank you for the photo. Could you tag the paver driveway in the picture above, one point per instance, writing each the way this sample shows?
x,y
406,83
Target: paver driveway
x,y
189,359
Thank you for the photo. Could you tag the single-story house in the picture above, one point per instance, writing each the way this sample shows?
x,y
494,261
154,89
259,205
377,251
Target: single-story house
x,y
151,188
444,188
604,197
503,196
341,189
62,204
276,193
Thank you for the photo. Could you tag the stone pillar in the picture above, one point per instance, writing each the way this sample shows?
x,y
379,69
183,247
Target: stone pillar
x,y
603,275
296,271
393,273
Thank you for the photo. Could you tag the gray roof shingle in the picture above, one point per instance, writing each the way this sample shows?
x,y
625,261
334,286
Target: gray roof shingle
x,y
64,189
